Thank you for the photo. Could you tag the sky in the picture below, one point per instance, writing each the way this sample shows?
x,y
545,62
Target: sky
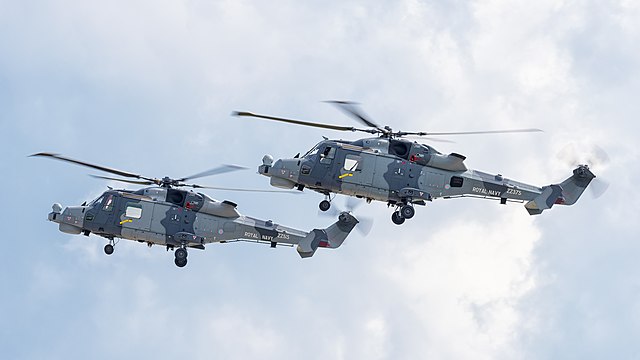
x,y
148,86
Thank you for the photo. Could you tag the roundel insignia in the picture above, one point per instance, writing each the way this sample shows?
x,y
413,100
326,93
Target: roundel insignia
x,y
220,231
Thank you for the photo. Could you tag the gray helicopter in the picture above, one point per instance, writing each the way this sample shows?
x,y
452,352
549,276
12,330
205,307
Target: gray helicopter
x,y
404,173
179,219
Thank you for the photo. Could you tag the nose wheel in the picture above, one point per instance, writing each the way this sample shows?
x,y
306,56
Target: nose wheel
x,y
108,249
180,257
324,205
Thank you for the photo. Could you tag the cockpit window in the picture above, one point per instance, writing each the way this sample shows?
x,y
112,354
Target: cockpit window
x,y
108,203
327,155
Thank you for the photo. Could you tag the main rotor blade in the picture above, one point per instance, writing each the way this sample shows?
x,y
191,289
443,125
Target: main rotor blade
x,y
125,180
477,132
97,167
351,110
426,138
195,186
215,171
300,122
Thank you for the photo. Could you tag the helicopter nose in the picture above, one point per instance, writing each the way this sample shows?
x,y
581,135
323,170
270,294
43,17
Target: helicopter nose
x,y
283,173
71,220
287,169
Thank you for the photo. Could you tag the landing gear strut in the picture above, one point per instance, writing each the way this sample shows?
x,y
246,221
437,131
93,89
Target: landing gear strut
x,y
181,257
402,213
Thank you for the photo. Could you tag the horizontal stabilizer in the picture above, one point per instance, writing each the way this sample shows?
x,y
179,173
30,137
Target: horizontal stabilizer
x,y
545,200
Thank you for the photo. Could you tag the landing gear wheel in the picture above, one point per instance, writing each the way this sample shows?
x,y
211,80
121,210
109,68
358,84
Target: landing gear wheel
x,y
397,218
181,254
324,205
180,262
407,211
108,249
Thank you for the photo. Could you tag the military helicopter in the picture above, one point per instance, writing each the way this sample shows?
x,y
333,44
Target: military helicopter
x,y
166,215
404,173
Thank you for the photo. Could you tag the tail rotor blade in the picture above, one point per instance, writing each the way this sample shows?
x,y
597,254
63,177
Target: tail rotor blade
x,y
598,187
598,157
364,226
352,203
569,155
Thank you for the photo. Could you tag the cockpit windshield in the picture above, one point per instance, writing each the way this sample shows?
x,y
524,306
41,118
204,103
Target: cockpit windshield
x,y
313,150
97,201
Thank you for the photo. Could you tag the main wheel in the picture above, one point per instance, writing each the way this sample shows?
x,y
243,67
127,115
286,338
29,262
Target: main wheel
x,y
108,249
396,218
181,254
407,211
180,262
324,205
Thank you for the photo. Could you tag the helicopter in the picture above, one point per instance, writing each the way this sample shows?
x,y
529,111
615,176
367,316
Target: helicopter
x,y
404,173
166,215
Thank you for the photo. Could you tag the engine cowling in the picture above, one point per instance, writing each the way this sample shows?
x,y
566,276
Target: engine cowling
x,y
451,162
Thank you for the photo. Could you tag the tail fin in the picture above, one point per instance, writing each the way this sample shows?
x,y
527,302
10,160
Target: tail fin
x,y
565,193
331,237
574,186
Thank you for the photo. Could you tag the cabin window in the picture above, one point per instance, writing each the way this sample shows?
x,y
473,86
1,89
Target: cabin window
x,y
108,203
327,155
456,181
133,212
351,162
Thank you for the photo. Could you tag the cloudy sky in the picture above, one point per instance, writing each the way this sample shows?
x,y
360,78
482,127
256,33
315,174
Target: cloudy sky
x,y
148,86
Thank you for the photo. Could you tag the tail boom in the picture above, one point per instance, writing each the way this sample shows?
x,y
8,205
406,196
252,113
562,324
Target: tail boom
x,y
331,237
566,193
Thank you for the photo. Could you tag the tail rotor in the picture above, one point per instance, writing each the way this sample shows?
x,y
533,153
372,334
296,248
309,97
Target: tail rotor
x,y
591,155
350,205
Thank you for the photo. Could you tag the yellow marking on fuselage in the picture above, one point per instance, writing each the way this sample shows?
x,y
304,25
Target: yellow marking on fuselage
x,y
345,175
125,221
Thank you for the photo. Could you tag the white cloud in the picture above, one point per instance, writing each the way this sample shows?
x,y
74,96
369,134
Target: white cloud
x,y
464,279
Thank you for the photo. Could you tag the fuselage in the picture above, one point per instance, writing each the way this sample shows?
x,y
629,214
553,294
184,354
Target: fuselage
x,y
169,217
393,171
